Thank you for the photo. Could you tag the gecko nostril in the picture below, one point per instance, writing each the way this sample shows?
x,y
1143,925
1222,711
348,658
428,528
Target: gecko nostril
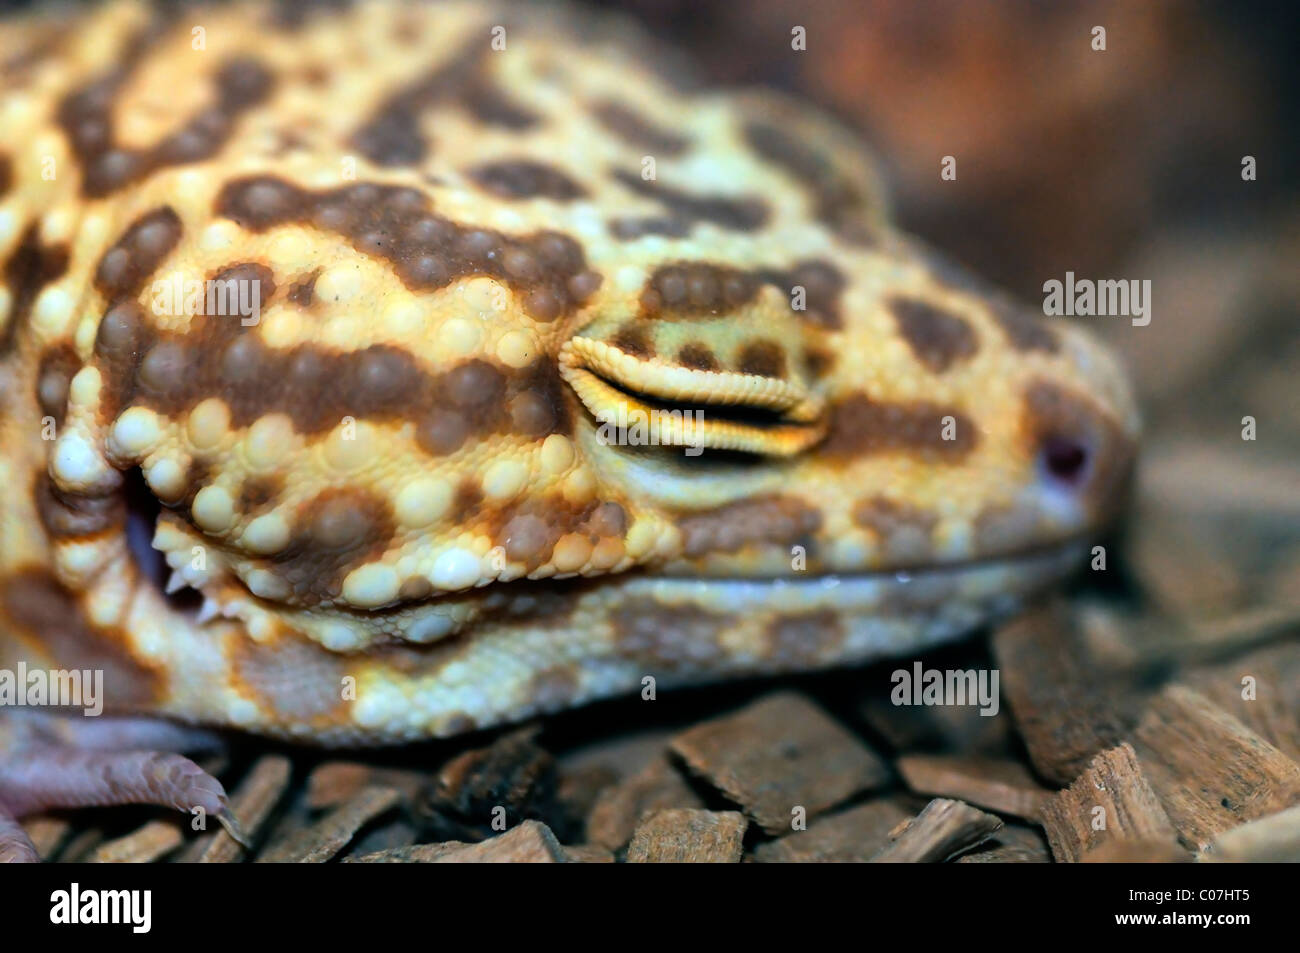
x,y
1066,459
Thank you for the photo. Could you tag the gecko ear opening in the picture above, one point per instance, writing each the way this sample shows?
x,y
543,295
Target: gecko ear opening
x,y
678,406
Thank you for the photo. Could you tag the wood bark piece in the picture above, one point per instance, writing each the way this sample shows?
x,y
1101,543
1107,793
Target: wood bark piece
x,y
851,836
1274,839
254,799
333,782
1270,678
780,754
619,809
945,828
1000,785
528,843
689,837
1064,716
1211,772
1129,808
148,843
1013,844
322,840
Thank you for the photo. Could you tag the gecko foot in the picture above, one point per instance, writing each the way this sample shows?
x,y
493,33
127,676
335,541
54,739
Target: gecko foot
x,y
37,775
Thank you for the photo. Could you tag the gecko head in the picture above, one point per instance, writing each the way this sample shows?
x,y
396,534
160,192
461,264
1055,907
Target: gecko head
x,y
806,422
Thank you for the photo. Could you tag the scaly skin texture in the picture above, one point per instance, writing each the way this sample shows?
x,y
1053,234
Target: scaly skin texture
x,y
392,492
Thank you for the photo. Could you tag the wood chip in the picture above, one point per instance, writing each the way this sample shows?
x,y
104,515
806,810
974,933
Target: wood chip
x,y
618,810
471,790
1261,690
945,828
322,840
851,836
1013,844
1064,715
528,843
254,799
1274,839
1112,800
1000,785
1211,772
334,782
589,854
148,843
780,758
689,837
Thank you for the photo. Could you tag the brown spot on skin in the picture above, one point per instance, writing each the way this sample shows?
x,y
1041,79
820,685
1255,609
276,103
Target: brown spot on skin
x,y
546,269
862,427
257,491
292,678
303,293
1025,330
634,340
697,356
30,268
937,337
608,519
86,118
58,365
697,289
771,520
334,532
838,201
803,641
48,616
817,364
67,515
668,637
393,137
135,256
553,688
1052,414
220,356
524,179
904,531
528,539
631,228
822,283
291,15
764,358
745,214
6,175
636,130
465,504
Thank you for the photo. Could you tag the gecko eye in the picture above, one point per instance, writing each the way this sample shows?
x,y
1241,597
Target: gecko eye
x,y
1065,459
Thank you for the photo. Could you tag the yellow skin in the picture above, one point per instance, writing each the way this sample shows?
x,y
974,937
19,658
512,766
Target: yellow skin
x,y
392,491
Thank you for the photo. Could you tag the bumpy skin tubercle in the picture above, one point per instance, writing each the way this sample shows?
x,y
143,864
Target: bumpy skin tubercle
x,y
391,489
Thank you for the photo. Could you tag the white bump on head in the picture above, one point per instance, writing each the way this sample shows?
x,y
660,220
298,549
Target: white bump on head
x,y
268,533
371,585
76,465
504,479
213,509
455,568
135,433
422,501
